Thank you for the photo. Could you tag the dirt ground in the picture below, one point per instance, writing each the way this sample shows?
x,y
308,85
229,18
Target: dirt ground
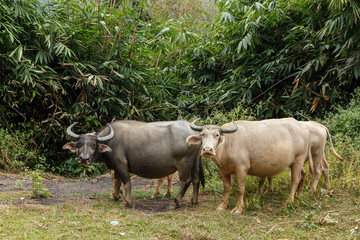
x,y
64,190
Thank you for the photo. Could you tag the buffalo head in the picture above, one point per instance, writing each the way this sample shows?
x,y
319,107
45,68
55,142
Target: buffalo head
x,y
88,146
210,137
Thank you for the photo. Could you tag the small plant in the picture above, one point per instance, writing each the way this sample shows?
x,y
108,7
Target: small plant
x,y
310,222
38,187
19,184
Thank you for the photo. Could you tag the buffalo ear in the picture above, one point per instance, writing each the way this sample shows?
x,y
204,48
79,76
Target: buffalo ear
x,y
72,146
104,148
194,139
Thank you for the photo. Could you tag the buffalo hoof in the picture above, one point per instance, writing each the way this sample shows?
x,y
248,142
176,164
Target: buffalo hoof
x,y
194,204
236,211
288,202
168,194
176,203
113,197
126,204
221,208
171,207
268,191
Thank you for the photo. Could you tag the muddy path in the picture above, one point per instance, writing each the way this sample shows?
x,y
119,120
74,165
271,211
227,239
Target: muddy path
x,y
66,190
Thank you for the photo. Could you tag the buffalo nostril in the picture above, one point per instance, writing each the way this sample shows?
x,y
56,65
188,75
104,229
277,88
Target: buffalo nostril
x,y
82,158
207,149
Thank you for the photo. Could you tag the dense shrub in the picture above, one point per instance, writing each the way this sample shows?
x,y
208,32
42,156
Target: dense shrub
x,y
19,152
345,121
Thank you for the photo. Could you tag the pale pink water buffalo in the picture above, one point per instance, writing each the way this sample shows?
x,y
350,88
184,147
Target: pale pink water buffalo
x,y
260,148
316,156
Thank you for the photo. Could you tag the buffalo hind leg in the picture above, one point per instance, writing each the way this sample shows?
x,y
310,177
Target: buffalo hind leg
x,y
300,188
325,171
195,196
195,178
159,186
170,180
316,175
270,188
161,183
261,185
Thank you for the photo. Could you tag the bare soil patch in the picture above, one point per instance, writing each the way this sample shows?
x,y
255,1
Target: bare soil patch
x,y
67,190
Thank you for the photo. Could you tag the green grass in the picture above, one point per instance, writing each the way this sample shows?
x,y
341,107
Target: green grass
x,y
310,217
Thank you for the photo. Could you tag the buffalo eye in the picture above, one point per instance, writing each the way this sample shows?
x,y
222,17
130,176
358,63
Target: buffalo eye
x,y
217,135
93,145
202,134
80,143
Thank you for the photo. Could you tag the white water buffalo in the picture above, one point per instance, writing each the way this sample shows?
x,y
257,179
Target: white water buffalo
x,y
317,161
149,150
316,156
260,148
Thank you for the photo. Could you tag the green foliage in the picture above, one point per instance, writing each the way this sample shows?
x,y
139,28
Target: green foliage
x,y
345,120
38,188
282,57
18,152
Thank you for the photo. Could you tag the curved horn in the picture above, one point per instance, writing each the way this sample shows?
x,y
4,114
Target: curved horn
x,y
70,133
194,127
108,137
229,130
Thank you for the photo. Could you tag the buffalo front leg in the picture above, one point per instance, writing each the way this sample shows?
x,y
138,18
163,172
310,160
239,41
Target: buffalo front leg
x,y
116,180
227,184
240,180
185,180
127,198
183,187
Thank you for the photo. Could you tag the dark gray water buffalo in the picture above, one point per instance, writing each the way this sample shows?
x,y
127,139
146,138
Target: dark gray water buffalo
x,y
259,148
149,150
